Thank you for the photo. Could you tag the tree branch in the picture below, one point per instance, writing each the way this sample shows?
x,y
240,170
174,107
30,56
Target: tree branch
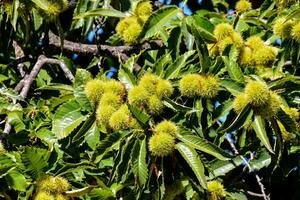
x,y
92,49
25,84
19,54
42,60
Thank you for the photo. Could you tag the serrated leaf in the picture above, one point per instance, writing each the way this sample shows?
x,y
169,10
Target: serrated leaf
x,y
42,4
221,168
84,128
295,13
142,117
56,86
204,145
139,163
7,164
236,196
204,27
123,165
158,20
101,12
238,121
47,136
66,108
106,145
92,136
66,119
174,42
232,86
287,121
81,78
127,77
202,50
260,130
160,64
64,126
35,160
262,161
233,68
173,70
16,180
193,160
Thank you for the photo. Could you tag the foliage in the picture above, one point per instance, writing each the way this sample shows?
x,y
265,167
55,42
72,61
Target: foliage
x,y
162,105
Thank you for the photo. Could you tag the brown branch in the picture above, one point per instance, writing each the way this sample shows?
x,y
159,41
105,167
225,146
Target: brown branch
x,y
25,84
42,60
19,54
92,49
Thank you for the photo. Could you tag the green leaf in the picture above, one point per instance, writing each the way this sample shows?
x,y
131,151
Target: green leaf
x,y
232,86
66,119
260,130
221,168
188,38
173,70
101,12
101,194
287,121
217,66
66,108
204,145
7,164
142,117
161,63
158,20
63,127
42,4
15,14
264,160
233,68
73,167
295,13
203,27
202,50
10,93
3,78
139,161
84,128
236,196
46,136
56,86
35,160
92,136
192,158
106,145
174,42
127,77
15,119
16,180
123,167
238,121
81,78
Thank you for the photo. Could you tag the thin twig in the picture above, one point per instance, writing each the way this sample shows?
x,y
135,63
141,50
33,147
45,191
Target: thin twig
x,y
255,194
258,179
